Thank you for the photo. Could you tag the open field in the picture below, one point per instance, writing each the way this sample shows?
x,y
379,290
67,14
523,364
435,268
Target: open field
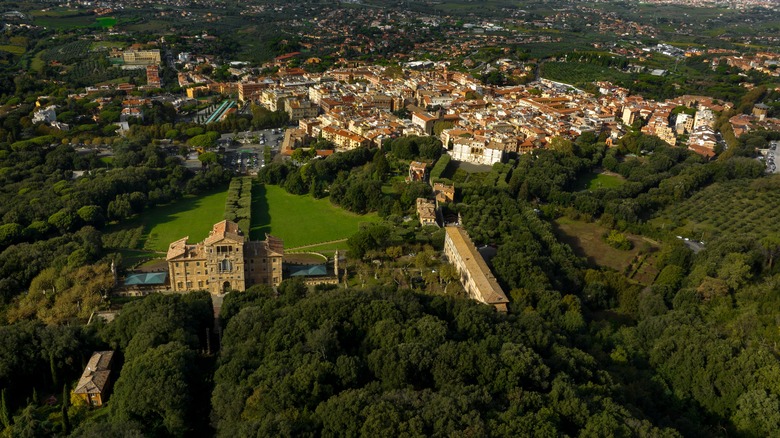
x,y
191,216
301,220
599,180
98,45
65,21
14,50
585,239
734,207
37,63
106,21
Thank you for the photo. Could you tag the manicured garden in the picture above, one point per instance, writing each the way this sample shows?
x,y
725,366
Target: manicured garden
x,y
301,220
298,220
155,229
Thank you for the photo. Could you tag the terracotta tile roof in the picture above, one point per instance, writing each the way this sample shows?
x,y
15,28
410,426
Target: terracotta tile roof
x,y
487,286
95,376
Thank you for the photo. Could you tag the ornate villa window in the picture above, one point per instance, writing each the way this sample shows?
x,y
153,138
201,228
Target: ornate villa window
x,y
225,265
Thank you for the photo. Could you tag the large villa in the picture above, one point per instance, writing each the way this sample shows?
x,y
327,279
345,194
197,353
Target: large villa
x,y
224,261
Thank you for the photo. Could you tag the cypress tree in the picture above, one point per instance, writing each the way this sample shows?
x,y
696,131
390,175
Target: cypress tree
x,y
53,369
65,403
5,416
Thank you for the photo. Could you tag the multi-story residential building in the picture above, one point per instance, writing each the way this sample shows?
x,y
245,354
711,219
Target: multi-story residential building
x,y
425,121
703,141
299,109
274,99
475,276
344,139
224,261
426,211
444,192
249,91
153,76
704,117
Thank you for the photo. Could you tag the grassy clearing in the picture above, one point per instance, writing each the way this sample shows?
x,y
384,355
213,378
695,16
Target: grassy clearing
x,y
191,216
593,181
301,220
106,22
585,239
14,50
98,45
37,63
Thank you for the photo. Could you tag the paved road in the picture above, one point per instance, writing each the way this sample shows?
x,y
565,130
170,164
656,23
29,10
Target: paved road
x,y
695,246
773,157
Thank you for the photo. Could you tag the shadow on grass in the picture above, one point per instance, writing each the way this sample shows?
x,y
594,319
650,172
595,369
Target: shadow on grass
x,y
261,215
576,244
151,218
165,214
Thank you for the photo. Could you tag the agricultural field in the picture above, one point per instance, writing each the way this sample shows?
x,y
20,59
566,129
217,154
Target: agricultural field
x,y
63,19
68,52
599,180
579,74
105,45
301,220
736,207
155,229
586,241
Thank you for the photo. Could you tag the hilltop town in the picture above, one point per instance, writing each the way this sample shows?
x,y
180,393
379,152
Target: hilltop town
x,y
378,218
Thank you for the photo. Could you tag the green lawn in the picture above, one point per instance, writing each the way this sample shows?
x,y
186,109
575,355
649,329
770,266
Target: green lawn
x,y
191,216
592,181
106,21
300,220
15,50
132,257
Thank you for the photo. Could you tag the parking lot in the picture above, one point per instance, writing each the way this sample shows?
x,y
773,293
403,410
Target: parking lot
x,y
244,151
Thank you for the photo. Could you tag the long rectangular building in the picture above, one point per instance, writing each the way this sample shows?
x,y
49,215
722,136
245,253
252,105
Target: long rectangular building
x,y
475,275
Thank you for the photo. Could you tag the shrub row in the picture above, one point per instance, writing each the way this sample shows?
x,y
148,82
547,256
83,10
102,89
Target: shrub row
x,y
238,206
440,167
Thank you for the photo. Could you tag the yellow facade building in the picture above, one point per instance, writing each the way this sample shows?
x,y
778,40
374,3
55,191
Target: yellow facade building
x,y
224,261
474,273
